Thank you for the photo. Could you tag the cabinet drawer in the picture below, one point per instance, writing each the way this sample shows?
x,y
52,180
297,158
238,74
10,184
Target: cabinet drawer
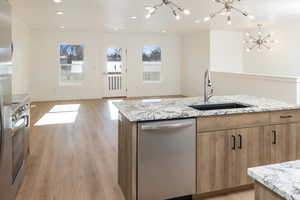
x,y
225,122
285,116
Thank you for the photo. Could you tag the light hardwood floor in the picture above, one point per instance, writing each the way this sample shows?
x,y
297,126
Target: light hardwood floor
x,y
78,161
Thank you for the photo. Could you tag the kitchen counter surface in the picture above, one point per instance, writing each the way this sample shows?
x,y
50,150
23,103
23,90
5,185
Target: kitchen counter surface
x,y
164,109
283,178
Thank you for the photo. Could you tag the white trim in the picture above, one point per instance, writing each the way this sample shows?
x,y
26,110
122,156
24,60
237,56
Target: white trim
x,y
292,79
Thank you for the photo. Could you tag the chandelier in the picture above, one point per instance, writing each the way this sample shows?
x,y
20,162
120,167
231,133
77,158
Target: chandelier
x,y
175,9
227,11
260,41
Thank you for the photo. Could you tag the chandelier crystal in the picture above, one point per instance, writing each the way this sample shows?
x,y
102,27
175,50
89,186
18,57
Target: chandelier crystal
x,y
260,41
175,9
227,9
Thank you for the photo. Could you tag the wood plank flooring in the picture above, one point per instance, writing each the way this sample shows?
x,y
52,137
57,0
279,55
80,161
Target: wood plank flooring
x,y
78,161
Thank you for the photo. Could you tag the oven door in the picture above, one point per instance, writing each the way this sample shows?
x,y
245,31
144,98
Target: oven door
x,y
19,141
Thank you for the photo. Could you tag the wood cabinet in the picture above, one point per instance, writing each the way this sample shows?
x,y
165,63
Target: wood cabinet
x,y
280,143
214,161
224,157
249,140
250,145
263,193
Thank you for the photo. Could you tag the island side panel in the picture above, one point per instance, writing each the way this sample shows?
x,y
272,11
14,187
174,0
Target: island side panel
x,y
127,152
263,193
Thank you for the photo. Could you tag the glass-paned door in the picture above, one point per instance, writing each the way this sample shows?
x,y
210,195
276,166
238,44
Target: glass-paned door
x,y
115,72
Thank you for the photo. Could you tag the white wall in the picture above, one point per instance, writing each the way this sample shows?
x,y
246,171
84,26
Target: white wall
x,y
45,56
195,62
21,57
226,51
283,60
274,87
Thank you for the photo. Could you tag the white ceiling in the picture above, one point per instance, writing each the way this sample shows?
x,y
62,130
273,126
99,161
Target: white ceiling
x,y
106,15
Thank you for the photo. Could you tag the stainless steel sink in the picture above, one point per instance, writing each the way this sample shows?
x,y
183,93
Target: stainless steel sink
x,y
222,106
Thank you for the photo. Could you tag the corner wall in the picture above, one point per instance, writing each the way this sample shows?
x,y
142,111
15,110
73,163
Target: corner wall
x,y
195,62
21,57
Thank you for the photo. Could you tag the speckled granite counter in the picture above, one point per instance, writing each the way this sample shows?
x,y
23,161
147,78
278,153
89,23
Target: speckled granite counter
x,y
283,178
163,109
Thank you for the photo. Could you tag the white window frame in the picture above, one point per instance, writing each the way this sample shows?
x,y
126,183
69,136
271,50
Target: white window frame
x,y
153,64
71,83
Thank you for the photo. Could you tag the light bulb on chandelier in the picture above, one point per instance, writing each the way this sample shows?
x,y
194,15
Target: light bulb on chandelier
x,y
175,9
227,10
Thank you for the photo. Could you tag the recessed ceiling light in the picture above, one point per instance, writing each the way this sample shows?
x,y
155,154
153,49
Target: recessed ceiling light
x,y
163,31
59,12
58,1
62,27
197,21
133,17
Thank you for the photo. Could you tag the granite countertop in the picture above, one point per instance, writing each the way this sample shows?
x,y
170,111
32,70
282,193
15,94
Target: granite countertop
x,y
283,178
164,109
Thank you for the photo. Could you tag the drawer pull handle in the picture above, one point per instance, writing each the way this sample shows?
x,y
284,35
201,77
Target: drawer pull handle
x,y
286,117
240,145
233,142
274,137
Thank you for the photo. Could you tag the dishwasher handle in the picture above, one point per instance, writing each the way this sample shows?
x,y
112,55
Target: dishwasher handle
x,y
157,126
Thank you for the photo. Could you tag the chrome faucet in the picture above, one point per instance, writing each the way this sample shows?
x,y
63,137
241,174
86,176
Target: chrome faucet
x,y
208,87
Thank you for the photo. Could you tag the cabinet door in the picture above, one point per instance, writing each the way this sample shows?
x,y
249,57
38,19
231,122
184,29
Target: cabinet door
x,y
280,143
215,160
298,141
250,145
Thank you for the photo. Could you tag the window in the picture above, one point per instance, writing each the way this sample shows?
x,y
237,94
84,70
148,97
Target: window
x,y
152,64
71,64
114,60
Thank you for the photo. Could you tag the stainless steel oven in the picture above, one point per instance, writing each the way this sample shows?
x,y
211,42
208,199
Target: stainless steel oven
x,y
20,145
6,52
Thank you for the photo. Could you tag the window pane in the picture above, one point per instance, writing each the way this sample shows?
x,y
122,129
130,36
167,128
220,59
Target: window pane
x,y
151,76
114,60
152,54
114,54
71,54
71,73
152,64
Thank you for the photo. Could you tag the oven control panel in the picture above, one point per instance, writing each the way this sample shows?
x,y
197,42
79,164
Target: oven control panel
x,y
21,112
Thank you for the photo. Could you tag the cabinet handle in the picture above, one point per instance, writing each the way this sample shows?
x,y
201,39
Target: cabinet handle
x,y
240,144
274,137
233,141
286,117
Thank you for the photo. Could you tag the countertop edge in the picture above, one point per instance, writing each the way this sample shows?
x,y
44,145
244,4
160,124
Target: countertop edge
x,y
130,119
179,108
272,187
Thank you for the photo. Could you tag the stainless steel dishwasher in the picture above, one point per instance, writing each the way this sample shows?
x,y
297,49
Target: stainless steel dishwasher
x,y
166,159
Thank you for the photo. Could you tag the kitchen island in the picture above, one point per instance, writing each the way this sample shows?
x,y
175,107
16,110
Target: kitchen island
x,y
228,141
277,181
